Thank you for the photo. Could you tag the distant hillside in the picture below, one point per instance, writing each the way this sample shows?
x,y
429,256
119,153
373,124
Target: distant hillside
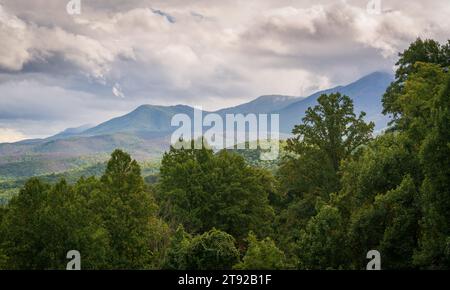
x,y
366,93
71,132
145,132
261,105
146,118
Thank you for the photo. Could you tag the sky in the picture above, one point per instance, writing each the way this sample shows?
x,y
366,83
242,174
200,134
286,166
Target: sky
x,y
61,70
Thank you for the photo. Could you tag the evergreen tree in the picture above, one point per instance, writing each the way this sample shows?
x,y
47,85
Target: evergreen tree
x,y
129,214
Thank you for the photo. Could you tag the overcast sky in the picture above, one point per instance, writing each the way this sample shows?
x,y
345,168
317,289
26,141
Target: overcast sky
x,y
59,70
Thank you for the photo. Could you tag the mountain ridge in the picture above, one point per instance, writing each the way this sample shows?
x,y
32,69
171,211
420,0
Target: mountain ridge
x,y
156,118
145,131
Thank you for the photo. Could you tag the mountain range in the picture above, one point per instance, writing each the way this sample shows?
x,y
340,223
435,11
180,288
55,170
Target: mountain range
x,y
145,132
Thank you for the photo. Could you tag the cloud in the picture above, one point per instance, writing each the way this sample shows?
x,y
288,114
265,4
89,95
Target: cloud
x,y
117,91
31,43
10,135
336,39
14,36
38,110
62,69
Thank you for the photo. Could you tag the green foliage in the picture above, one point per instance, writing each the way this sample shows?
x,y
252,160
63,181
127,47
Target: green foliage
x,y
112,222
178,249
418,99
43,223
337,194
330,132
332,128
426,51
401,214
392,193
129,213
322,243
213,250
377,168
389,224
12,182
434,251
381,195
201,190
13,168
253,156
261,255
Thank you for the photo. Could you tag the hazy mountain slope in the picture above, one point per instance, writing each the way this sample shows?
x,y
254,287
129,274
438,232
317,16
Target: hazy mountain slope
x,y
60,155
71,132
365,92
261,105
145,118
145,132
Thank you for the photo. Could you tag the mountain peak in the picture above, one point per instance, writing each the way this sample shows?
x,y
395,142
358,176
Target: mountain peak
x,y
376,76
262,104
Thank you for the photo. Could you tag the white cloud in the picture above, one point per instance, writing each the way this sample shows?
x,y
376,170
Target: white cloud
x,y
212,55
10,135
117,91
28,42
13,35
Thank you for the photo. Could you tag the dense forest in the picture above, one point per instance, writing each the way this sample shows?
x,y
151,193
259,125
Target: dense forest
x,y
337,193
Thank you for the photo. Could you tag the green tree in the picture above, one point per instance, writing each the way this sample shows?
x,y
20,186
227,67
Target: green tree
x,y
389,225
330,133
426,51
19,228
43,223
176,254
401,212
332,128
261,255
213,250
202,190
322,244
130,215
377,168
434,251
417,100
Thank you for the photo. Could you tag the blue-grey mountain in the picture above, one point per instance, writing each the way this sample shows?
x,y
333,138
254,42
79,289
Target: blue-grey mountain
x,y
145,132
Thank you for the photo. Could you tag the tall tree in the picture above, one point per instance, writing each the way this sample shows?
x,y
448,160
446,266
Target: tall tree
x,y
202,190
332,128
330,132
434,251
130,215
427,51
